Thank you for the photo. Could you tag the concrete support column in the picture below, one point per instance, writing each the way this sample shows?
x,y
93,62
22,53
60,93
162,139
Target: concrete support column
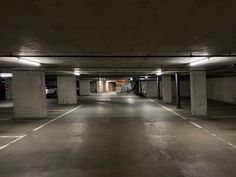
x,y
107,86
29,97
84,87
66,90
166,89
137,87
100,86
140,88
177,88
158,88
151,89
198,93
8,88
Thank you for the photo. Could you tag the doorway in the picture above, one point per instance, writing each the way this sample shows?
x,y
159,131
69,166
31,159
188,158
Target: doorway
x,y
112,86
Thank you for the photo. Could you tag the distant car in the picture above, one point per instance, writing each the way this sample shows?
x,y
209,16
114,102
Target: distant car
x,y
51,91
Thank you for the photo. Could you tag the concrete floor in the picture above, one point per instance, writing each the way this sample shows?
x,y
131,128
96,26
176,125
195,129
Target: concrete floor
x,y
119,136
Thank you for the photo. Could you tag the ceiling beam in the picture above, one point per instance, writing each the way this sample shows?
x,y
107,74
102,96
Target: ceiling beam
x,y
117,56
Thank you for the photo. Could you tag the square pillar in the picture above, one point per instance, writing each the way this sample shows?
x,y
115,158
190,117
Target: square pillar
x,y
66,90
198,93
8,88
151,89
158,88
84,87
166,89
140,88
107,86
29,96
100,86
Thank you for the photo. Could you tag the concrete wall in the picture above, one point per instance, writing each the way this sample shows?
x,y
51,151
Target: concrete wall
x,y
149,88
222,89
218,89
84,86
93,87
8,88
184,88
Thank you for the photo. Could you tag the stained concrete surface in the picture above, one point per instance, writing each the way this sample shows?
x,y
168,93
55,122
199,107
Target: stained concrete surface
x,y
116,136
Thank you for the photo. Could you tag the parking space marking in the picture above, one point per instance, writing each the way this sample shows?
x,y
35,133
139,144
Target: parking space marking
x,y
8,144
34,130
10,136
195,124
4,119
58,117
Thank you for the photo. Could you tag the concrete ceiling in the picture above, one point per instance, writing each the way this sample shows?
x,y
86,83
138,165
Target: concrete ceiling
x,y
125,28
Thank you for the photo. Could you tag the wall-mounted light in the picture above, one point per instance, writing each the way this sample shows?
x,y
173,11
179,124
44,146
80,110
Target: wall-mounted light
x,y
159,73
29,62
131,79
6,75
146,77
199,62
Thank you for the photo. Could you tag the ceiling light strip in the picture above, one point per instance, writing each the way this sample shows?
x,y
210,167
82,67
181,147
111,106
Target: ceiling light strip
x,y
199,62
29,62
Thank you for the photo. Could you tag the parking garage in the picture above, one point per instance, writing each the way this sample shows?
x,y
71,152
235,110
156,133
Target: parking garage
x,y
117,88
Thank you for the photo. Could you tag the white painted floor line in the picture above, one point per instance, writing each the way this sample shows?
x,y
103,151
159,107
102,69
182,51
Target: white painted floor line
x,y
58,117
173,112
56,110
10,136
222,139
195,124
41,126
8,144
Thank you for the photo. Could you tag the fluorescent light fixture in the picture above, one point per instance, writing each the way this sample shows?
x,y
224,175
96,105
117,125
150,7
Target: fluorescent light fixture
x,y
146,77
29,62
77,73
6,75
199,62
